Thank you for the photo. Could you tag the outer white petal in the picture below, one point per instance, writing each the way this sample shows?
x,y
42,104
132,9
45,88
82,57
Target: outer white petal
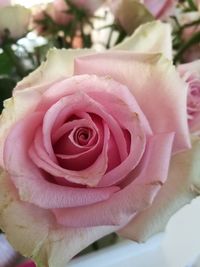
x,y
182,185
15,19
59,63
181,244
34,232
152,37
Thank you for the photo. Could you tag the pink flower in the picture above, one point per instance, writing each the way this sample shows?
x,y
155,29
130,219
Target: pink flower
x,y
85,145
160,9
190,72
27,264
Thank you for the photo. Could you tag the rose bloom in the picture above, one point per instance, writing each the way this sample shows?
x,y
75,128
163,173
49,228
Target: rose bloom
x,y
85,145
190,72
18,25
181,244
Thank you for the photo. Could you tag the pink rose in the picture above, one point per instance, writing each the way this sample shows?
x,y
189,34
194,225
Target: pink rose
x,y
102,131
160,9
190,72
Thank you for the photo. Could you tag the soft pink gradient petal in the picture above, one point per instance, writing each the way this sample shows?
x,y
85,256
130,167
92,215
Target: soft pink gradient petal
x,y
133,124
154,83
93,85
132,199
29,180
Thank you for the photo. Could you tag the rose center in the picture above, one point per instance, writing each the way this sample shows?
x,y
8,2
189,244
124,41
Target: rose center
x,y
82,136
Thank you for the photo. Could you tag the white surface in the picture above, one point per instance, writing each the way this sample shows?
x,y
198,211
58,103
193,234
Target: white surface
x,y
181,243
125,254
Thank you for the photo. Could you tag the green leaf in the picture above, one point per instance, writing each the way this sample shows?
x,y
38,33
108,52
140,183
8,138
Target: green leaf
x,y
6,65
6,88
192,5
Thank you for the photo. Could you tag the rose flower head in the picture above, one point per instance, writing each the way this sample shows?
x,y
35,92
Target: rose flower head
x,y
85,145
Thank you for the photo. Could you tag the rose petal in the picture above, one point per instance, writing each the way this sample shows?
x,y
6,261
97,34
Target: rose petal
x,y
132,199
180,188
34,233
59,64
98,88
147,77
152,37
